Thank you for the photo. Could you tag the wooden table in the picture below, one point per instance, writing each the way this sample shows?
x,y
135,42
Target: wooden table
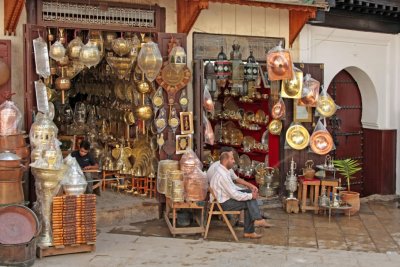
x,y
174,206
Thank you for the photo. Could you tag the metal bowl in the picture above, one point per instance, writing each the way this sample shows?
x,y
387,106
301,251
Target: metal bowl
x,y
74,189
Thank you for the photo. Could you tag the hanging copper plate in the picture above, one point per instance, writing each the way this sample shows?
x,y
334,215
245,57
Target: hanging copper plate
x,y
278,110
297,137
173,81
321,142
18,224
279,66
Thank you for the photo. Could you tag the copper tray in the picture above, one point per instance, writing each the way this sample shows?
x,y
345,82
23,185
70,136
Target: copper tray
x,y
18,224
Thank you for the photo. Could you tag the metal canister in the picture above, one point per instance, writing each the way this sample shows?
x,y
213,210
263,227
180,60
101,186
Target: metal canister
x,y
173,176
164,167
177,191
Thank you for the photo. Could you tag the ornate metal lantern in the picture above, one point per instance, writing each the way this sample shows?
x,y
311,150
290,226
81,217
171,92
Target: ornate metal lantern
x,y
177,58
150,60
222,66
251,68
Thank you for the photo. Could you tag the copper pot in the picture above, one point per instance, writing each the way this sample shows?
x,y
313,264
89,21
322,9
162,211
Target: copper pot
x,y
12,141
11,186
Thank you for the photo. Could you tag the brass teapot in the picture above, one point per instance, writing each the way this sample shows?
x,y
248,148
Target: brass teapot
x,y
308,171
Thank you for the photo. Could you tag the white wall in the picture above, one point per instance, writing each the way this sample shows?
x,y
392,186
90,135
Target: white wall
x,y
17,46
373,59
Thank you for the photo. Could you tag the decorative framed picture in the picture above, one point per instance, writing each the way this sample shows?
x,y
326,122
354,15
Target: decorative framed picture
x,y
301,113
186,123
183,143
67,142
78,140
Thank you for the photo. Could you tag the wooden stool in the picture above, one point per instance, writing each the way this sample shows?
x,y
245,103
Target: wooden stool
x,y
151,186
329,186
140,184
314,194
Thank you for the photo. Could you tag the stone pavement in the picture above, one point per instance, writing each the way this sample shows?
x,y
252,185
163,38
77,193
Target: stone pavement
x,y
376,228
131,250
371,238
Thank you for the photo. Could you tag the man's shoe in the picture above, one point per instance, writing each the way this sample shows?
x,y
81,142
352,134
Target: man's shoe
x,y
252,235
262,223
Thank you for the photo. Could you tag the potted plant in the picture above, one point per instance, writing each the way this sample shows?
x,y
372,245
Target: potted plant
x,y
348,168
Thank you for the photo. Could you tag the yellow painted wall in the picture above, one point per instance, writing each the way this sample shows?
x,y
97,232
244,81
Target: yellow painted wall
x,y
17,46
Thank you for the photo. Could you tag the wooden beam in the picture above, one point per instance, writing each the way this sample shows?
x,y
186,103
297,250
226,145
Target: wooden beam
x,y
187,13
267,5
12,12
297,20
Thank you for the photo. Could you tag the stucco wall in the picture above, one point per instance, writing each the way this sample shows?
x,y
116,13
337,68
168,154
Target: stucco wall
x,y
373,60
17,79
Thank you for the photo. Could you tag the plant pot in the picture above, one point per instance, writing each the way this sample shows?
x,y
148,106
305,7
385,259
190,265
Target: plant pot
x,y
353,198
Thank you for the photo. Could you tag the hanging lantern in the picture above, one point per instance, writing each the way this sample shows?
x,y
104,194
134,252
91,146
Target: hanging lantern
x,y
90,54
222,66
57,51
251,68
121,46
237,64
74,48
209,71
177,58
150,60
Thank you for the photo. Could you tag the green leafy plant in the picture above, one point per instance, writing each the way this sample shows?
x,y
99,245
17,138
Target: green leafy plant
x,y
347,168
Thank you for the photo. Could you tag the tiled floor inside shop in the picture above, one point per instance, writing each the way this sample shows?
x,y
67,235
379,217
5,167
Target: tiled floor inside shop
x,y
376,228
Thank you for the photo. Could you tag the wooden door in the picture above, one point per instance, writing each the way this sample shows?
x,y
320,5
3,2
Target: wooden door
x,y
5,55
345,126
31,32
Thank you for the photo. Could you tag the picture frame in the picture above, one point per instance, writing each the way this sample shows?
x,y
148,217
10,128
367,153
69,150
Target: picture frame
x,y
183,143
301,113
186,122
78,140
67,142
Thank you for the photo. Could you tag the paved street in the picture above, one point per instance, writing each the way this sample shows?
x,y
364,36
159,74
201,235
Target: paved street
x,y
370,238
131,250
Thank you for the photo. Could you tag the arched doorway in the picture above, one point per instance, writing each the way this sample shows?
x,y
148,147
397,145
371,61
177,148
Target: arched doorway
x,y
345,126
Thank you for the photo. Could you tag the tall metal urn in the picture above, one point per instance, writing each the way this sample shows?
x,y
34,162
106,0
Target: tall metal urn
x,y
47,182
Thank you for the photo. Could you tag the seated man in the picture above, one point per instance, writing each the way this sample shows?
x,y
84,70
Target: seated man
x,y
87,162
233,197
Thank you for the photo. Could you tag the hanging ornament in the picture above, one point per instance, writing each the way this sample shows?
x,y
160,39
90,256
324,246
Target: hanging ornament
x,y
177,58
183,100
237,70
109,37
251,68
121,46
63,84
150,60
89,55
173,121
74,48
161,120
222,66
57,51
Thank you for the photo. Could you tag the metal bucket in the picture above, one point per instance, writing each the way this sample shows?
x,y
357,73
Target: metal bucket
x,y
19,228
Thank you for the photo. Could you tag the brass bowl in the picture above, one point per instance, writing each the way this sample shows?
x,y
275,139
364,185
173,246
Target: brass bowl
x,y
326,106
144,112
121,65
292,88
275,127
297,137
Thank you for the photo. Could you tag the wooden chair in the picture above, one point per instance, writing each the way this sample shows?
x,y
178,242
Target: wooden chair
x,y
220,211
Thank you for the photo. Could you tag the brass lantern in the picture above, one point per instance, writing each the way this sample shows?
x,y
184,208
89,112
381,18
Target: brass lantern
x,y
251,68
237,64
177,58
74,48
222,66
57,51
90,54
150,60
